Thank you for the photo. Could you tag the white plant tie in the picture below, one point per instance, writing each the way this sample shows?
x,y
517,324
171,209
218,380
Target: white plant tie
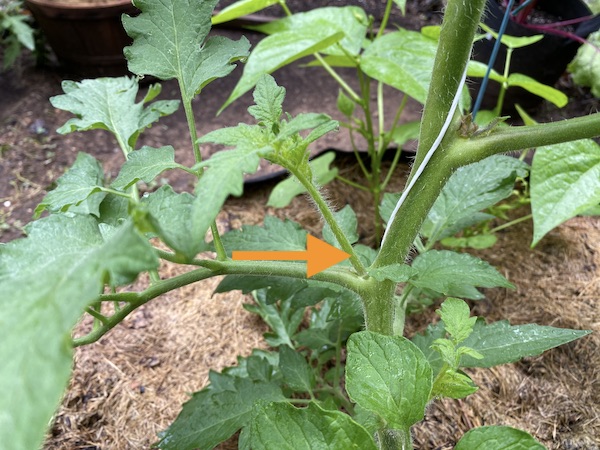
x,y
429,154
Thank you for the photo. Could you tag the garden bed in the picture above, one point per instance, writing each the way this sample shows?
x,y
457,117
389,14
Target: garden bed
x,y
129,385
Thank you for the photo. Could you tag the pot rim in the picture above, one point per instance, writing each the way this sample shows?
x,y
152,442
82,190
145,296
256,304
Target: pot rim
x,y
84,5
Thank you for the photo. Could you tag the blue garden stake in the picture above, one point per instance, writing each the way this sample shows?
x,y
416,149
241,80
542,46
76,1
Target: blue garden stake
x,y
492,60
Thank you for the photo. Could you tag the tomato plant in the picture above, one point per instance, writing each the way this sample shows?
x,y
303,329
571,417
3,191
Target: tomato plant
x,y
100,235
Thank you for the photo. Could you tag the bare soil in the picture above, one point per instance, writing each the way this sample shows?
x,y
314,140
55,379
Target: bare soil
x,y
129,386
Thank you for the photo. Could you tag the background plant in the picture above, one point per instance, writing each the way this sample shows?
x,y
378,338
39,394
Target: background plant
x,y
15,31
100,234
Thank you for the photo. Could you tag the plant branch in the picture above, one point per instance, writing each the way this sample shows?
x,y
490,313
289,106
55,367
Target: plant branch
x,y
134,300
327,214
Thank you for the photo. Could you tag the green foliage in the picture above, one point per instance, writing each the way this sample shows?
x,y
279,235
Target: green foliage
x,y
565,182
98,103
281,426
326,382
15,31
397,392
46,281
497,438
169,42
585,68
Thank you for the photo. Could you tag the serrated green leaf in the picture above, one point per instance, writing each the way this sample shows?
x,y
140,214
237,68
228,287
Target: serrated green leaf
x,y
455,274
169,42
109,104
281,318
403,59
240,9
398,273
565,181
276,288
224,176
585,67
145,165
268,98
280,426
78,190
452,384
296,372
46,281
346,219
389,376
497,438
285,191
456,315
469,190
212,415
172,219
278,50
275,234
499,342
541,90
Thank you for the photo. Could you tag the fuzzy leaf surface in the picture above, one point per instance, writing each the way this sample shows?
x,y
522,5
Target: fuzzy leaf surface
x,y
499,342
214,414
455,274
109,104
469,190
403,59
275,234
280,426
497,438
297,374
565,182
169,42
172,217
78,190
145,165
388,376
46,281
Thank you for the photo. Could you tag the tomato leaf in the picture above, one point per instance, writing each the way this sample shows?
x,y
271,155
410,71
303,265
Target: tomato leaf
x,y
46,281
216,412
497,437
389,376
278,426
145,165
455,274
169,42
109,104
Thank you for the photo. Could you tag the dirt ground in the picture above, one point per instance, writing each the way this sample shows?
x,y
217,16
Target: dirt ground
x,y
129,386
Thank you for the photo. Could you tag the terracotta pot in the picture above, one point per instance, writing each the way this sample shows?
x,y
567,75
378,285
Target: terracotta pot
x,y
545,61
87,38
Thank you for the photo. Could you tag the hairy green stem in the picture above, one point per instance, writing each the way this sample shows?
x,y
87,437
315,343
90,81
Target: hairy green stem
x,y
395,439
327,214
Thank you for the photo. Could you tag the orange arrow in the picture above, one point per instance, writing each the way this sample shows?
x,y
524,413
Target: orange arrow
x,y
318,255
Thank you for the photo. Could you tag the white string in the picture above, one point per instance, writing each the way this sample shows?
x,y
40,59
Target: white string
x,y
429,154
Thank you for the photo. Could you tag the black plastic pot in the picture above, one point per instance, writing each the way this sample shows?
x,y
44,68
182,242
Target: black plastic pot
x,y
545,61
